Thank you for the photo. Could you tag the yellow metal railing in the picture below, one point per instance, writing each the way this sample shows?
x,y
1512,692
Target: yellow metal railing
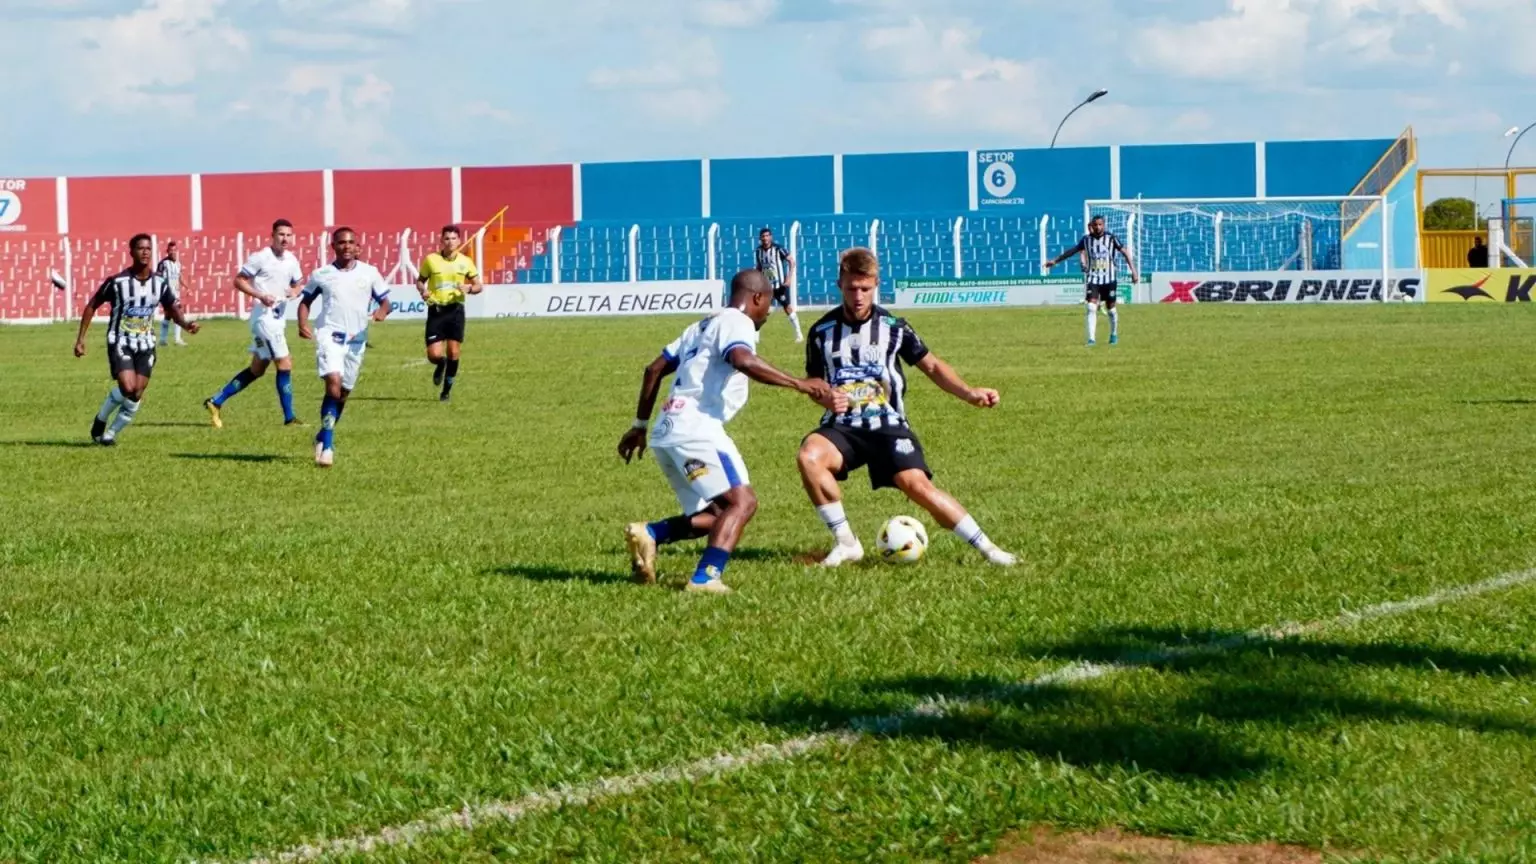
x,y
1399,157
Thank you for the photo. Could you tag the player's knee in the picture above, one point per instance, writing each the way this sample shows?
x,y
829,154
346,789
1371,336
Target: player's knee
x,y
745,501
811,459
913,483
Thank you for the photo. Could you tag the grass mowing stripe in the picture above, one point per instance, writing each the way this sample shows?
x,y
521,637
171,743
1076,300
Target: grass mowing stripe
x,y
612,787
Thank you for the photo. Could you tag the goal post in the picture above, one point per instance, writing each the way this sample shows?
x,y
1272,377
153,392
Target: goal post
x,y
1253,235
1510,235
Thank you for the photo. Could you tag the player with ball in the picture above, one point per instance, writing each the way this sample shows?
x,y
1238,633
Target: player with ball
x,y
860,349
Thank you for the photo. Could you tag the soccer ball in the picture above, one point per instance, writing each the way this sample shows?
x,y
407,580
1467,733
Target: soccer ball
x,y
903,540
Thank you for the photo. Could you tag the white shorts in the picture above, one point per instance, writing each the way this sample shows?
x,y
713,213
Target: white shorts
x,y
335,353
269,338
700,468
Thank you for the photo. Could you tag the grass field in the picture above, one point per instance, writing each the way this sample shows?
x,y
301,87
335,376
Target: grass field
x,y
212,650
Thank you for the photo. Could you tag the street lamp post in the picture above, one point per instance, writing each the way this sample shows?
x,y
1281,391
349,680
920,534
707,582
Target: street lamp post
x,y
1097,94
1512,144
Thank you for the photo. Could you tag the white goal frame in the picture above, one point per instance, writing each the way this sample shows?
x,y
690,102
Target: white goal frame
x,y
1135,235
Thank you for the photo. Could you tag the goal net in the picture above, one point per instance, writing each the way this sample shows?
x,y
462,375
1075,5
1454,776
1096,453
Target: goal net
x,y
1253,235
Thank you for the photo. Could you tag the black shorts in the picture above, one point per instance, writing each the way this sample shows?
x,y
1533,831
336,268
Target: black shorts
x,y
1103,293
781,296
886,452
120,360
445,323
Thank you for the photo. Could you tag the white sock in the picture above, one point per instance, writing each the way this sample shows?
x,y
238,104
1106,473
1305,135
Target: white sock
x,y
1114,321
165,329
113,400
1093,320
124,416
837,523
971,533
794,318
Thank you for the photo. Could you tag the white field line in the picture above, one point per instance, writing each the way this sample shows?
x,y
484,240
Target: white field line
x,y
554,798
411,364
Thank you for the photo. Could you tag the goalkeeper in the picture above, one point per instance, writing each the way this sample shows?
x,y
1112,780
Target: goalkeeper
x,y
1098,248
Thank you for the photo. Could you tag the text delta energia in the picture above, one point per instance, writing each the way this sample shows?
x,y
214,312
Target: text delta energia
x,y
624,303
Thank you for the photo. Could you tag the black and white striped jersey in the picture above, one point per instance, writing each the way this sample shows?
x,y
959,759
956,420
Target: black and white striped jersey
x,y
133,308
774,263
864,361
1100,252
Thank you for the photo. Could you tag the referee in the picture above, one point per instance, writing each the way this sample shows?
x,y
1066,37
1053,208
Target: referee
x,y
1098,248
443,279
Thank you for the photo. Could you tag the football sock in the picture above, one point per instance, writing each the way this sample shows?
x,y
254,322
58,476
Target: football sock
x,y
971,533
1114,322
673,530
794,318
330,412
451,370
165,329
114,399
235,385
285,393
711,565
1093,319
437,369
124,416
836,522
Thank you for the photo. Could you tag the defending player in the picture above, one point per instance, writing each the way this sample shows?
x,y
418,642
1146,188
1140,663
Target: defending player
x,y
133,294
1097,249
859,348
349,287
775,262
713,360
444,278
170,268
271,277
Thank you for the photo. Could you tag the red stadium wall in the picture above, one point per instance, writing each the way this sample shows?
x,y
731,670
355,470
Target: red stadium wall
x,y
127,205
251,202
538,194
420,198
32,205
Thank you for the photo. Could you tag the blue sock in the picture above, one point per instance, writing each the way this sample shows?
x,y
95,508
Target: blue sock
x,y
711,565
285,393
235,385
330,412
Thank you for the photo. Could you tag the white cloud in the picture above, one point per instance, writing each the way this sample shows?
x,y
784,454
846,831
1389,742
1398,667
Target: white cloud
x,y
150,57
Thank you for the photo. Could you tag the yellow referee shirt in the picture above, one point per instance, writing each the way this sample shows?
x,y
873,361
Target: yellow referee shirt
x,y
446,277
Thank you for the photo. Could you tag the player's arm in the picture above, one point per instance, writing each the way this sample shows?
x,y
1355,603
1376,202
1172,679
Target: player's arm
x,y
950,382
789,269
423,277
1075,250
380,296
1126,254
245,286
171,303
632,444
311,291
102,295
749,364
472,280
914,353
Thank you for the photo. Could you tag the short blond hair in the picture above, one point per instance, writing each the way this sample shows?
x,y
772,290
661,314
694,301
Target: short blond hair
x,y
858,261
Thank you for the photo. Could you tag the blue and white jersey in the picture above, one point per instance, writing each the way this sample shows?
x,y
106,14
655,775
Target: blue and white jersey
x,y
348,296
707,390
271,273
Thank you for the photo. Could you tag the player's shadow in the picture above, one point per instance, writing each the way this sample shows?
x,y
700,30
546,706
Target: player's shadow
x,y
556,573
1219,715
62,443
1498,401
391,398
255,458
172,424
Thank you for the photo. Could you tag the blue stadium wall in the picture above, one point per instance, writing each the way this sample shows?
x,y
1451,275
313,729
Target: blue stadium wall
x,y
1003,181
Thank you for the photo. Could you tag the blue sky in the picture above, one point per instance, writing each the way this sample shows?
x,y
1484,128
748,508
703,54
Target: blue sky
x,y
169,86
